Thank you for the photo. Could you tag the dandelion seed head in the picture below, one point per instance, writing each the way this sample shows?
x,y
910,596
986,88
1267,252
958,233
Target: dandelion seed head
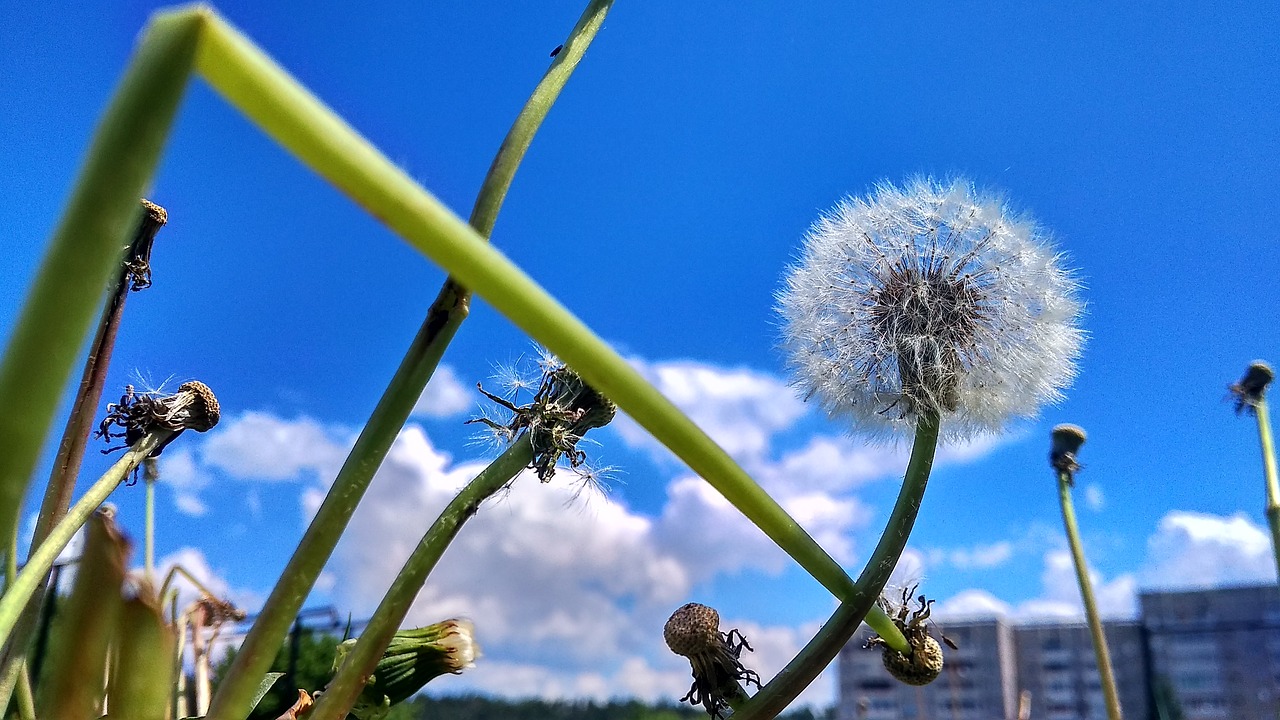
x,y
929,298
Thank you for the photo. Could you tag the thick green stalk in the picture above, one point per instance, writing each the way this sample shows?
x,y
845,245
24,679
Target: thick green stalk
x,y
1269,471
779,692
345,688
443,318
248,79
1103,656
85,249
42,559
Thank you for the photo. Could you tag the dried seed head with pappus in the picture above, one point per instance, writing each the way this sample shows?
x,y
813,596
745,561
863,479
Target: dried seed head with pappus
x,y
931,298
193,407
563,408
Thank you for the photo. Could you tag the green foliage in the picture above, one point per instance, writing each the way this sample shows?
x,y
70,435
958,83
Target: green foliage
x,y
482,708
313,670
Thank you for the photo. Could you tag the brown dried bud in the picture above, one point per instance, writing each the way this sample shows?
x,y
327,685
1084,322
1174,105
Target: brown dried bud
x,y
922,667
692,629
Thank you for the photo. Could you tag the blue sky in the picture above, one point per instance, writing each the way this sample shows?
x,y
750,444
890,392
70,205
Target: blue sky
x,y
661,202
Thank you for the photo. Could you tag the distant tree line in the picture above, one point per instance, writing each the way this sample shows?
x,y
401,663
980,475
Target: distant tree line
x,y
312,670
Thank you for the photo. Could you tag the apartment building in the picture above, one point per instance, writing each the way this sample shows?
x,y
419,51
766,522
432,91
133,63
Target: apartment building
x,y
1217,653
1208,654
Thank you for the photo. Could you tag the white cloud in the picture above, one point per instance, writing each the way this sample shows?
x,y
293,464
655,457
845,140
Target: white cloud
x,y
978,557
1093,497
740,409
1199,550
178,470
445,396
261,446
1061,592
972,604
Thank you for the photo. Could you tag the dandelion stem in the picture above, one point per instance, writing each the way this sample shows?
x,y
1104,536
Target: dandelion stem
x,y
1105,673
41,561
779,692
149,541
226,52
343,691
1269,471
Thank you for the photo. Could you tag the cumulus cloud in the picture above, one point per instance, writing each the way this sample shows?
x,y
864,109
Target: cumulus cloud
x,y
253,447
178,470
569,596
1093,497
1192,549
978,557
740,409
445,396
972,604
261,446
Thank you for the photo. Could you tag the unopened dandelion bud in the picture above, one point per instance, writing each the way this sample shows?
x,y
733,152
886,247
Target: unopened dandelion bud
x,y
1252,388
1066,443
412,659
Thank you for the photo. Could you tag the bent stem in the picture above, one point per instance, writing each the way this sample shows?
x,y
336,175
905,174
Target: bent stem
x,y
1269,472
443,318
779,692
1103,656
248,79
343,691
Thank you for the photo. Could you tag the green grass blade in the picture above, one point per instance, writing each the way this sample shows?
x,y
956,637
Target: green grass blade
x,y
86,245
72,688
143,673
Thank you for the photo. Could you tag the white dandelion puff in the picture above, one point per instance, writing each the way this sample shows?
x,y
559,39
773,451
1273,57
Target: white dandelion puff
x,y
928,299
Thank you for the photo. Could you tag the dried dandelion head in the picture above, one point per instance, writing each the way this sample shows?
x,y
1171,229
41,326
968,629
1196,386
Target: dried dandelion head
x,y
694,632
562,409
193,407
924,664
929,299
1066,441
1252,388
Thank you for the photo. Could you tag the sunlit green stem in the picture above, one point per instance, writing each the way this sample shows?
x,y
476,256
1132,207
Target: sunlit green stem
x,y
1269,471
149,542
438,329
42,559
85,249
1106,674
779,692
318,137
360,662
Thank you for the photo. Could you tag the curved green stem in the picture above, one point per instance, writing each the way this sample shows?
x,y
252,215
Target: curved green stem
x,y
345,688
1103,656
779,692
1269,473
248,79
42,558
